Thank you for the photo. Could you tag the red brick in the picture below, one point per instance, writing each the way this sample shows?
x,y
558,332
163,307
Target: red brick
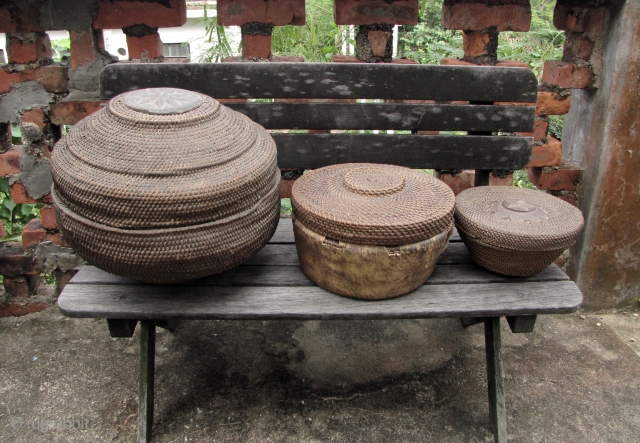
x,y
549,154
513,64
147,47
569,197
582,77
560,178
62,278
28,47
353,59
368,12
276,12
274,59
257,46
18,310
556,72
540,129
285,187
83,47
577,46
477,16
70,113
19,195
33,232
35,116
459,182
14,263
378,41
22,286
578,18
10,161
54,78
120,14
48,217
23,18
475,43
551,103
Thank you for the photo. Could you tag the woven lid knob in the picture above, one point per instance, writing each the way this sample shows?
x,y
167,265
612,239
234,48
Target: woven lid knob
x,y
163,101
373,181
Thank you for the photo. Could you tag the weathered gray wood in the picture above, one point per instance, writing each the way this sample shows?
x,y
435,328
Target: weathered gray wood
x,y
248,302
497,409
400,117
327,80
147,370
414,151
292,276
121,327
470,321
284,231
522,323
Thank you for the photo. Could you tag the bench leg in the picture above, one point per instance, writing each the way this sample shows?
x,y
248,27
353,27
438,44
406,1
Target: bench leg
x,y
497,410
147,367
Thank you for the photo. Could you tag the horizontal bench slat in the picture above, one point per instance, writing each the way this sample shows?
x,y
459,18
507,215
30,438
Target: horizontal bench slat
x,y
198,302
414,151
407,117
327,80
247,275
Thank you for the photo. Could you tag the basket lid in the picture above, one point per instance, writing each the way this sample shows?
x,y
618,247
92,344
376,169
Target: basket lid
x,y
163,157
517,218
373,204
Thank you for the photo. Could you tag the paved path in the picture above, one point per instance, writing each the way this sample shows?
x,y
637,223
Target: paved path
x,y
573,380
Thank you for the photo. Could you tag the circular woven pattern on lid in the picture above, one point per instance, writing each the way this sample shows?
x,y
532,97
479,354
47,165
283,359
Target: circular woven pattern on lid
x,y
517,219
124,140
372,204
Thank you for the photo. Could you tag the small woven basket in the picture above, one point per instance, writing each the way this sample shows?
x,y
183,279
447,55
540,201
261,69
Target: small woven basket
x,y
166,185
370,231
514,231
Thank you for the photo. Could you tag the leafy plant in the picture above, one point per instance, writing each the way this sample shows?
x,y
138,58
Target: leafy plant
x,y
216,35
61,49
555,126
285,206
14,216
521,179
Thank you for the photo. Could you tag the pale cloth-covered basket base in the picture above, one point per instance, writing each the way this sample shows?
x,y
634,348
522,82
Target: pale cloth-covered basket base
x,y
365,271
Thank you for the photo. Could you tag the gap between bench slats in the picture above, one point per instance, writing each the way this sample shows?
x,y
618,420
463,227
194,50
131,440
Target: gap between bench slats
x,y
407,117
327,80
414,151
199,302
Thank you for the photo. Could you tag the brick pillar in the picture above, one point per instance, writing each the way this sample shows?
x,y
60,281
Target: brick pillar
x,y
256,40
602,135
28,47
143,42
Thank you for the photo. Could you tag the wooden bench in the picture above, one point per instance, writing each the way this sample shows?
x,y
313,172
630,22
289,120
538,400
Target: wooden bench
x,y
271,286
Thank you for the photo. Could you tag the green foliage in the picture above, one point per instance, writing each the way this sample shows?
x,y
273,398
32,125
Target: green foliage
x,y
61,49
521,179
428,42
555,126
14,216
215,34
317,41
285,206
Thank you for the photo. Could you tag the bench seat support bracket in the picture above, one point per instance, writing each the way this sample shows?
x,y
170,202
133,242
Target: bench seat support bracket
x,y
497,409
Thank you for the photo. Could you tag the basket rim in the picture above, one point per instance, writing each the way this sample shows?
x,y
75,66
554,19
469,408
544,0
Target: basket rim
x,y
161,231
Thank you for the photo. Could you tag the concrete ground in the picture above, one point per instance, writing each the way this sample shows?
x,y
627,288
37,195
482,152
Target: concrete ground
x,y
575,379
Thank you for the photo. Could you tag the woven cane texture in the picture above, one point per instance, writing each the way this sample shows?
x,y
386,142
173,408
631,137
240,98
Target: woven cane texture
x,y
507,261
372,204
126,168
538,221
176,254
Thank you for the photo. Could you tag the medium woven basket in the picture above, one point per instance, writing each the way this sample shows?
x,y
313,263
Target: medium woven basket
x,y
166,185
370,231
514,231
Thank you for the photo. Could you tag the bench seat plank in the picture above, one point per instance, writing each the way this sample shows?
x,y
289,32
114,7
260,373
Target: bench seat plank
x,y
247,275
312,151
251,302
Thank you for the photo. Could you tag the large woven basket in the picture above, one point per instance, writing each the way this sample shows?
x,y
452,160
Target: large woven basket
x,y
370,231
166,185
514,231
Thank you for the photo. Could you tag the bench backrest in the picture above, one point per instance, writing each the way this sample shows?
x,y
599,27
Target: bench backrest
x,y
358,100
